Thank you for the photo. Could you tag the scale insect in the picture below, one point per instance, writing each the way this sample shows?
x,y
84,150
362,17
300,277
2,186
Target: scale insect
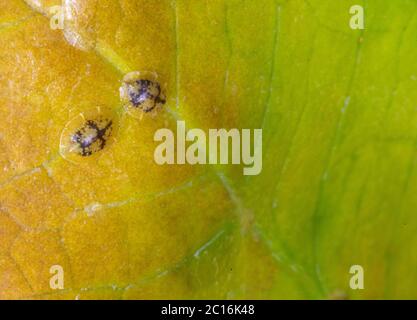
x,y
92,136
142,93
87,134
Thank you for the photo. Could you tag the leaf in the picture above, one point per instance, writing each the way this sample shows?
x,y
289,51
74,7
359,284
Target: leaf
x,y
337,111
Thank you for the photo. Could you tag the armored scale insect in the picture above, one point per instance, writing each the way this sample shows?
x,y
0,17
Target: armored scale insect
x,y
141,93
87,134
92,136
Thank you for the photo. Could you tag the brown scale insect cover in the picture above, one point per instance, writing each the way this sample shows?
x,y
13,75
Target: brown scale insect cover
x,y
89,133
141,93
92,137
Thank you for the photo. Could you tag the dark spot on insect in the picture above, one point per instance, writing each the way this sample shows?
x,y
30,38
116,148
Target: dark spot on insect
x,y
145,94
92,136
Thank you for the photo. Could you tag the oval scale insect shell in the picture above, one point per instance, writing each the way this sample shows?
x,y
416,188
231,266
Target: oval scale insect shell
x,y
88,134
141,93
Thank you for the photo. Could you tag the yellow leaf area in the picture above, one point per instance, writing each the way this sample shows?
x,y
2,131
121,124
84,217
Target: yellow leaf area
x,y
121,226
